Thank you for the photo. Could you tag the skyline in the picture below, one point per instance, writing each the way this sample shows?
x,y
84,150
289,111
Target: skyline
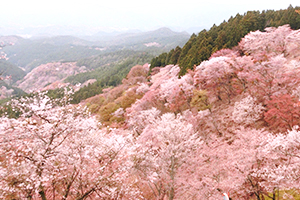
x,y
94,16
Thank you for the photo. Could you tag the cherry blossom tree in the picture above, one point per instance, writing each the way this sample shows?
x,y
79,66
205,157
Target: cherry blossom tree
x,y
247,111
177,93
262,45
282,172
166,149
54,152
261,85
233,163
272,77
283,113
224,52
139,120
137,74
167,92
218,77
292,44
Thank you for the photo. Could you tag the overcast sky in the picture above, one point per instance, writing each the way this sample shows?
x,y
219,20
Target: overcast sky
x,y
131,14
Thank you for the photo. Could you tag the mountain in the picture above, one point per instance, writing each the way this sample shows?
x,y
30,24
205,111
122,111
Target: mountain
x,y
30,53
9,40
163,37
231,123
227,35
108,70
238,112
9,69
107,35
10,74
63,40
47,74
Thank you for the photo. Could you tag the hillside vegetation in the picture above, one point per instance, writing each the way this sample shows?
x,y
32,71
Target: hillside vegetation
x,y
30,53
106,60
227,35
162,39
106,65
106,70
47,74
223,119
231,124
9,69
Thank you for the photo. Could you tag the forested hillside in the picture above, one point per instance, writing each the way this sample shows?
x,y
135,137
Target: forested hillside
x,y
226,35
9,69
163,39
106,60
229,125
47,74
106,70
30,53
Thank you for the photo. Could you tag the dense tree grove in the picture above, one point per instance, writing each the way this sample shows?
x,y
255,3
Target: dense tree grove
x,y
226,35
230,125
8,69
108,70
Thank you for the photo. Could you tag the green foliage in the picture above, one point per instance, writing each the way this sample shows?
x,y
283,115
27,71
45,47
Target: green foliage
x,y
129,98
106,111
166,58
226,35
30,54
106,74
200,100
9,69
282,194
17,92
95,106
159,61
57,93
87,91
7,110
105,66
101,60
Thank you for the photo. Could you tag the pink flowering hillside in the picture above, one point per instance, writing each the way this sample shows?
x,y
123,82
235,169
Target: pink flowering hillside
x,y
231,126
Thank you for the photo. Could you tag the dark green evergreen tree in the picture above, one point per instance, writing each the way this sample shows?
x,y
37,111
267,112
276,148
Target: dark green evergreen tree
x,y
226,35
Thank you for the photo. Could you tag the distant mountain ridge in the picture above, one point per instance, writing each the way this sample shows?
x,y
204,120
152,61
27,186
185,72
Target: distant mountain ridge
x,y
163,36
30,53
78,31
64,40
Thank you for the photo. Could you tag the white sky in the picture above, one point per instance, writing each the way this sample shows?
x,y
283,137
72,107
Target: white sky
x,y
133,14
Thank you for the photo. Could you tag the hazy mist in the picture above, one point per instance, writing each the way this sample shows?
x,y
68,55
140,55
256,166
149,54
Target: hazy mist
x,y
91,16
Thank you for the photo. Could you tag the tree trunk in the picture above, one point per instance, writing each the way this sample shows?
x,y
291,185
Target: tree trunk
x,y
172,193
42,193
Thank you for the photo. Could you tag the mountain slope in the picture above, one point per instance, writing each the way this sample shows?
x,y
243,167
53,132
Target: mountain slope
x,y
229,124
64,40
243,104
48,73
30,53
8,69
226,35
164,37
